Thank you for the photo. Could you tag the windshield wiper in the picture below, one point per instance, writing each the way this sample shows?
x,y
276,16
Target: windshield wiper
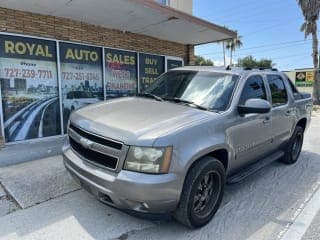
x,y
179,100
149,95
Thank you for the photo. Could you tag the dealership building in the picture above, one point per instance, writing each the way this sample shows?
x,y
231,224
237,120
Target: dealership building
x,y
58,56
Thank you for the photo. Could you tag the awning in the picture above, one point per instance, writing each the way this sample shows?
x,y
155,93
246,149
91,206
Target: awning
x,y
137,16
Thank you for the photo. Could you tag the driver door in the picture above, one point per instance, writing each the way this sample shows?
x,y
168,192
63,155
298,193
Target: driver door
x,y
251,135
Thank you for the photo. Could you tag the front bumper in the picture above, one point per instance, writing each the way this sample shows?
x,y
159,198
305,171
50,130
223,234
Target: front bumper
x,y
125,189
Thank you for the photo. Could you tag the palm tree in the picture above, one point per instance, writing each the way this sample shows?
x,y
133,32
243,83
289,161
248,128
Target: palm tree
x,y
310,10
232,45
223,42
224,52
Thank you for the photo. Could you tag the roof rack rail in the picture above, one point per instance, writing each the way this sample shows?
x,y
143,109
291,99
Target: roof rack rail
x,y
261,69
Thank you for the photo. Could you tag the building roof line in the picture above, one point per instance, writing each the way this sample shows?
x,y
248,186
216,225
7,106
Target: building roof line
x,y
188,17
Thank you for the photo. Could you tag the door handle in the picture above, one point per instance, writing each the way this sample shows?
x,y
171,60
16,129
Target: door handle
x,y
267,120
288,113
291,111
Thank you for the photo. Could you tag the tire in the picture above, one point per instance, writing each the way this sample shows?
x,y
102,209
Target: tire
x,y
207,175
293,148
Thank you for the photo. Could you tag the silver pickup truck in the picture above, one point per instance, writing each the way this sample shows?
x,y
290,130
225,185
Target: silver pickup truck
x,y
173,147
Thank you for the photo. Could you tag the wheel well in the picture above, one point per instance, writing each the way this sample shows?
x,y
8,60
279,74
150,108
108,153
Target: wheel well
x,y
222,156
302,123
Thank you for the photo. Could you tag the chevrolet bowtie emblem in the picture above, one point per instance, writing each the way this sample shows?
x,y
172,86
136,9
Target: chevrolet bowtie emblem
x,y
86,143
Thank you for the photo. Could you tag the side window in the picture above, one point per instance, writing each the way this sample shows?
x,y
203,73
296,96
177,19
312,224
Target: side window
x,y
278,90
293,88
254,88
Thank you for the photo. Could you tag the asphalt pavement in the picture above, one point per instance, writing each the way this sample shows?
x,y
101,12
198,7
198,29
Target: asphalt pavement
x,y
273,203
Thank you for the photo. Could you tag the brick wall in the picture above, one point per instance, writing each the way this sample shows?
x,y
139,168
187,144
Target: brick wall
x,y
14,21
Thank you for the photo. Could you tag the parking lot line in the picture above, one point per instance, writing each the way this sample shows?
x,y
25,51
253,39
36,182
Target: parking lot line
x,y
304,219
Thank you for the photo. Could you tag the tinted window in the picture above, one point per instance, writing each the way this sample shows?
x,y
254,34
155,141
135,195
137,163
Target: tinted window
x,y
293,88
208,89
254,88
278,90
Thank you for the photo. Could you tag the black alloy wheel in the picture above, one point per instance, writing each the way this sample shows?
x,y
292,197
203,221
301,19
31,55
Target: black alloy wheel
x,y
202,193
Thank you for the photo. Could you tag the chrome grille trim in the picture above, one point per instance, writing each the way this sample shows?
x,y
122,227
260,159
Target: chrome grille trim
x,y
99,148
118,145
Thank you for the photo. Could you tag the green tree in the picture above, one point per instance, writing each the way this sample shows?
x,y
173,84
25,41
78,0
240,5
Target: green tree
x,y
201,61
232,45
251,62
310,10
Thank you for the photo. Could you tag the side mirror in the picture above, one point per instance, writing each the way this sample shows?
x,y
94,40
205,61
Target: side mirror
x,y
254,105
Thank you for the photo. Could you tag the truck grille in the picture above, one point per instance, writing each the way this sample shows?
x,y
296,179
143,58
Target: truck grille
x,y
97,150
96,138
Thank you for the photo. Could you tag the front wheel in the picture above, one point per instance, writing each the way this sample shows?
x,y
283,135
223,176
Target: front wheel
x,y
202,193
293,149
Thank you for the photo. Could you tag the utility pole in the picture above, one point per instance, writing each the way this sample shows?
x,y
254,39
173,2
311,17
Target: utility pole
x,y
224,53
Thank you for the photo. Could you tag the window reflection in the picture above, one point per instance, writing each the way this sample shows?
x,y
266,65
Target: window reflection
x,y
208,89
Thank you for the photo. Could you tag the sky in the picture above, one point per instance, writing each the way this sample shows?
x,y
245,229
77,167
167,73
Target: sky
x,y
269,29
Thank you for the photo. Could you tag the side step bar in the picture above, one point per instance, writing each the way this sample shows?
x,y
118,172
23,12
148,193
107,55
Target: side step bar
x,y
244,173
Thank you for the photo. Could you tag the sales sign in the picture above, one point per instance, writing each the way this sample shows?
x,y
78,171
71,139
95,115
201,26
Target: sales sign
x,y
301,76
29,83
150,67
81,77
304,78
310,76
121,73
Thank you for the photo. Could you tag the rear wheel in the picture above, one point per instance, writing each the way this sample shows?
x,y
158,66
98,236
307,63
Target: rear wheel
x,y
202,193
293,149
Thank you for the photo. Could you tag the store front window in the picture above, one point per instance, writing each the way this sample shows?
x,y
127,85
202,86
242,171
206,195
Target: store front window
x,y
32,105
29,86
121,73
81,77
150,67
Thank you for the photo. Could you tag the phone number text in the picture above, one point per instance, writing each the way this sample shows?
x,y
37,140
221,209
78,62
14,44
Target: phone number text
x,y
27,73
80,76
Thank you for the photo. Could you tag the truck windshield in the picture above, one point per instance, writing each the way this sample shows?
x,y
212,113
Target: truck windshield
x,y
211,90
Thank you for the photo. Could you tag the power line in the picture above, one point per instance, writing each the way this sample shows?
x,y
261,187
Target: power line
x,y
270,50
261,46
274,26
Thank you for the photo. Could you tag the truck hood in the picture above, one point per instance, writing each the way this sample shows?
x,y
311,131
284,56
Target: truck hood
x,y
136,121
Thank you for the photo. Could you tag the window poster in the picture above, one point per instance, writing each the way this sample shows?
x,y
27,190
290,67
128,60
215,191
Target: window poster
x,y
150,67
81,77
173,63
121,73
1,119
29,86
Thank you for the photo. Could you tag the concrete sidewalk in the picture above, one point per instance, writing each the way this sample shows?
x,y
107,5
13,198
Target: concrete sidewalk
x,y
37,181
16,153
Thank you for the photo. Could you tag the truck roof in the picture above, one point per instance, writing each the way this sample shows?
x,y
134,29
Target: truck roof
x,y
233,70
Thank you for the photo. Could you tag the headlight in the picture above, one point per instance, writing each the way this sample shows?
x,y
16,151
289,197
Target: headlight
x,y
148,160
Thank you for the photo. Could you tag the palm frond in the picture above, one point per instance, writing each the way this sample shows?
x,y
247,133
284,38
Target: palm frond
x,y
310,10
